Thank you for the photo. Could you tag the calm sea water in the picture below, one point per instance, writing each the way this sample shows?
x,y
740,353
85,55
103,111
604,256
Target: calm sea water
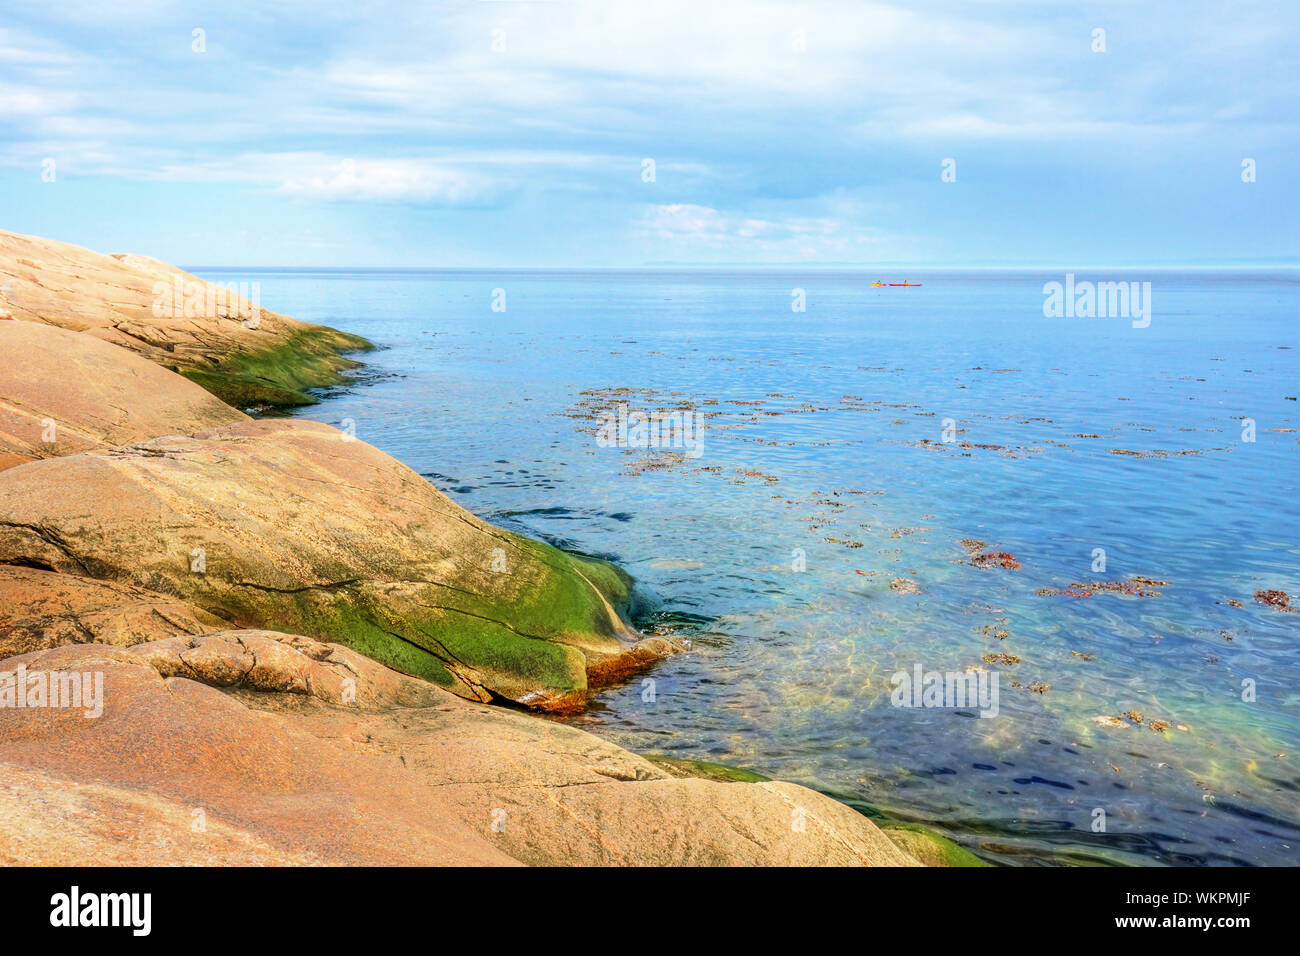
x,y
824,476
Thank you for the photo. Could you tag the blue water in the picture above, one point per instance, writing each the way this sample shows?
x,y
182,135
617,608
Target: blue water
x,y
1069,435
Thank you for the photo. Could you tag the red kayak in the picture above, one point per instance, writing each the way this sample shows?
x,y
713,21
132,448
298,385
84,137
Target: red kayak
x,y
910,285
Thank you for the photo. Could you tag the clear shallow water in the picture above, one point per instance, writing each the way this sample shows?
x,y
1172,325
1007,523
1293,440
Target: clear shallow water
x,y
824,433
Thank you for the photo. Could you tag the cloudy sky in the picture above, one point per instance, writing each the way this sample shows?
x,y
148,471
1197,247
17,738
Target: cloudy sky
x,y
517,133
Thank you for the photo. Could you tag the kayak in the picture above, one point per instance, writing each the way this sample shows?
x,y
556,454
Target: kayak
x,y
912,285
876,285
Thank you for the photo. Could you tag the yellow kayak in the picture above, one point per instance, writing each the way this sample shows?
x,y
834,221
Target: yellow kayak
x,y
877,285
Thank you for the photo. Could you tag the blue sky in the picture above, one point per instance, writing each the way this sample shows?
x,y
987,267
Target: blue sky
x,y
513,133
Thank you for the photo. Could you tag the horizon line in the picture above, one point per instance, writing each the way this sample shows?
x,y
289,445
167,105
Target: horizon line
x,y
723,267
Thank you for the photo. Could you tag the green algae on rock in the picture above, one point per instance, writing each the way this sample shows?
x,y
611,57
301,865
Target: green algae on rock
x,y
705,769
921,843
215,335
279,376
296,526
928,847
917,840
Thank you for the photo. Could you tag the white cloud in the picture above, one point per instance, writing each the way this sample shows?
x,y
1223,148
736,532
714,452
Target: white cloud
x,y
687,230
32,102
453,177
750,131
385,180
315,175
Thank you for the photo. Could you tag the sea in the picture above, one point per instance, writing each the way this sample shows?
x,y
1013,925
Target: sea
x,y
1010,561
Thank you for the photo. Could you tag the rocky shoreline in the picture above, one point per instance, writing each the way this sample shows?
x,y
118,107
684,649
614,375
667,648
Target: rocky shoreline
x,y
299,639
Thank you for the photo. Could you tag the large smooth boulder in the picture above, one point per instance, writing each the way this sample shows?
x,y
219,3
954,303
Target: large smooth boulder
x,y
283,765
42,609
291,525
224,341
63,392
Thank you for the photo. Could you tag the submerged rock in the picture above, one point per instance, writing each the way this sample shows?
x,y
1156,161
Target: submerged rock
x,y
705,769
62,392
279,767
930,848
1106,720
296,526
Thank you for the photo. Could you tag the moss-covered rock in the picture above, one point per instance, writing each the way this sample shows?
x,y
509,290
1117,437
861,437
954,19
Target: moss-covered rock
x,y
929,847
287,525
295,526
218,337
705,769
280,376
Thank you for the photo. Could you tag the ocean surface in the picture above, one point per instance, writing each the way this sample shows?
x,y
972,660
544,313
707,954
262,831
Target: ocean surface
x,y
1136,485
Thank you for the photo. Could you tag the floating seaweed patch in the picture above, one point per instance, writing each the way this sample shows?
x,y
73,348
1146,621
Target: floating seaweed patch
x,y
1004,659
987,559
659,461
966,449
1277,599
1136,586
1135,718
905,532
1161,453
754,473
996,630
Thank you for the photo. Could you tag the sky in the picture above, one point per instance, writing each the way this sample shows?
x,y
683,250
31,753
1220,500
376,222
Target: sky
x,y
633,133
